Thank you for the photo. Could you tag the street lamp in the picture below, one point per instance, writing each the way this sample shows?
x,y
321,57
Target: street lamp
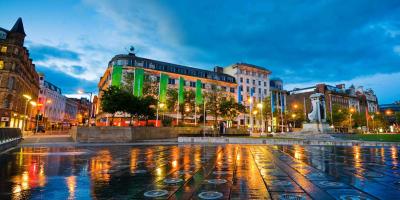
x,y
294,121
90,102
260,106
351,113
28,98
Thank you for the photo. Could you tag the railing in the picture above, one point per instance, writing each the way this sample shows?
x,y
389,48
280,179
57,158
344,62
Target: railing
x,y
9,135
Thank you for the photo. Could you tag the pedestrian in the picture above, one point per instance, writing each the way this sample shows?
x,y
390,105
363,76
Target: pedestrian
x,y
221,128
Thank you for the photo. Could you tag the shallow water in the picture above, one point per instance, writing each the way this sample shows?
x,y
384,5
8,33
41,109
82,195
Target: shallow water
x,y
200,172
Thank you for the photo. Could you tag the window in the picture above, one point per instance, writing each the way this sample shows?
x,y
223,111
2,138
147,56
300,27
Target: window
x,y
192,84
259,90
265,84
247,89
10,83
265,91
241,79
1,64
232,90
254,82
4,49
241,88
171,81
259,82
247,80
223,88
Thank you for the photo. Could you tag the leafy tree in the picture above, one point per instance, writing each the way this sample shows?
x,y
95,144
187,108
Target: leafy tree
x,y
229,109
214,99
150,86
172,99
114,100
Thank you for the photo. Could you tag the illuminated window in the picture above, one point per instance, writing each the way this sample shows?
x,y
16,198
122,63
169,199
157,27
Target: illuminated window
x,y
1,64
3,49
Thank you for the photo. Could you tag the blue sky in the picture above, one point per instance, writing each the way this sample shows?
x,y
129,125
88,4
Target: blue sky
x,y
303,42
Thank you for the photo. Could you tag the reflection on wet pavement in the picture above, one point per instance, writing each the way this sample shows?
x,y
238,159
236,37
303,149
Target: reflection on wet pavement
x,y
200,172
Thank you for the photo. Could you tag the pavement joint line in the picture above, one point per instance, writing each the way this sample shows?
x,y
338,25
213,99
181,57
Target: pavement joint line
x,y
312,190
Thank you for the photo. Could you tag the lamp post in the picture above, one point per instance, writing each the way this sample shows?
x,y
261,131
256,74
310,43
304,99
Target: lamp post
x,y
351,113
90,102
33,104
28,98
260,106
294,121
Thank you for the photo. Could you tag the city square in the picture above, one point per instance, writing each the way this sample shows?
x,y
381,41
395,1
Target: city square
x,y
130,99
200,172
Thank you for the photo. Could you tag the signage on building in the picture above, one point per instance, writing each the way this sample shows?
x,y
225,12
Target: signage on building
x,y
5,119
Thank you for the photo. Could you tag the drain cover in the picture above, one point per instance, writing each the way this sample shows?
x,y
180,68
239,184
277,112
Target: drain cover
x,y
210,195
173,180
353,197
155,193
216,181
331,184
291,197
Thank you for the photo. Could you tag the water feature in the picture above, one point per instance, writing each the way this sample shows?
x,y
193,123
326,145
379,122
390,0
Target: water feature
x,y
200,172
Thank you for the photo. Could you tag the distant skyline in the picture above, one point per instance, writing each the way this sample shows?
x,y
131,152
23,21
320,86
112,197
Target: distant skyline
x,y
302,42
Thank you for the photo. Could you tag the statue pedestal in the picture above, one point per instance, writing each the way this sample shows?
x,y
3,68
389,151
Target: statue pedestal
x,y
316,128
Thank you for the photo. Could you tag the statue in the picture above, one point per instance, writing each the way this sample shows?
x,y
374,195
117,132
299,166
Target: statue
x,y
317,116
318,113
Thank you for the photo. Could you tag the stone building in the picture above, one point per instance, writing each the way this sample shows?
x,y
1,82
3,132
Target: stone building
x,y
18,77
71,112
51,103
83,109
152,70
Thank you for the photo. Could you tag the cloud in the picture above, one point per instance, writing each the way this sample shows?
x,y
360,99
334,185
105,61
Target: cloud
x,y
41,52
67,83
386,86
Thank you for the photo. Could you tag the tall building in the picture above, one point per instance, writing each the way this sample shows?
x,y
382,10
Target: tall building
x,y
17,78
51,103
83,110
152,70
278,105
253,85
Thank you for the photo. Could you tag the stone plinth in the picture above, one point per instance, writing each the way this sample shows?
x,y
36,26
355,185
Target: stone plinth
x,y
315,128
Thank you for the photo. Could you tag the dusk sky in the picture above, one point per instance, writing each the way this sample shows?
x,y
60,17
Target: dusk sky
x,y
302,42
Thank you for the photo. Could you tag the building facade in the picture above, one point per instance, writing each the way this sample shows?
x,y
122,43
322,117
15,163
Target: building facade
x,y
83,110
18,77
51,104
71,112
253,87
226,84
362,101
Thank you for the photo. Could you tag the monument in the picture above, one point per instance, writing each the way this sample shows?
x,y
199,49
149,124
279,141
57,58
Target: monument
x,y
317,117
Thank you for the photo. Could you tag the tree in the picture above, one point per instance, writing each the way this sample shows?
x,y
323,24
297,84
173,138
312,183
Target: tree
x,y
115,99
214,98
128,80
172,99
229,109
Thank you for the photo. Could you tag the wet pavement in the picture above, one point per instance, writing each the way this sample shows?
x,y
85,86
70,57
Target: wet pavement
x,y
200,172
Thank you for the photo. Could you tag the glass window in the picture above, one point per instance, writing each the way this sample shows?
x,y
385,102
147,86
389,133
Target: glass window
x,y
241,79
1,64
4,49
254,82
247,89
265,91
232,90
259,82
259,90
265,84
247,80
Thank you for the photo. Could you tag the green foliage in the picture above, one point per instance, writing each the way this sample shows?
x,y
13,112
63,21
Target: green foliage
x,y
128,80
229,109
115,100
213,101
172,99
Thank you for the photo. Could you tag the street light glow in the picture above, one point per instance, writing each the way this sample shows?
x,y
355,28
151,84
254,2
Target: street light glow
x,y
352,110
27,97
295,106
33,103
259,105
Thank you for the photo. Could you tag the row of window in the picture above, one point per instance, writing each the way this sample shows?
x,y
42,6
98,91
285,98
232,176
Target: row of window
x,y
254,82
4,49
193,85
173,69
255,74
254,89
